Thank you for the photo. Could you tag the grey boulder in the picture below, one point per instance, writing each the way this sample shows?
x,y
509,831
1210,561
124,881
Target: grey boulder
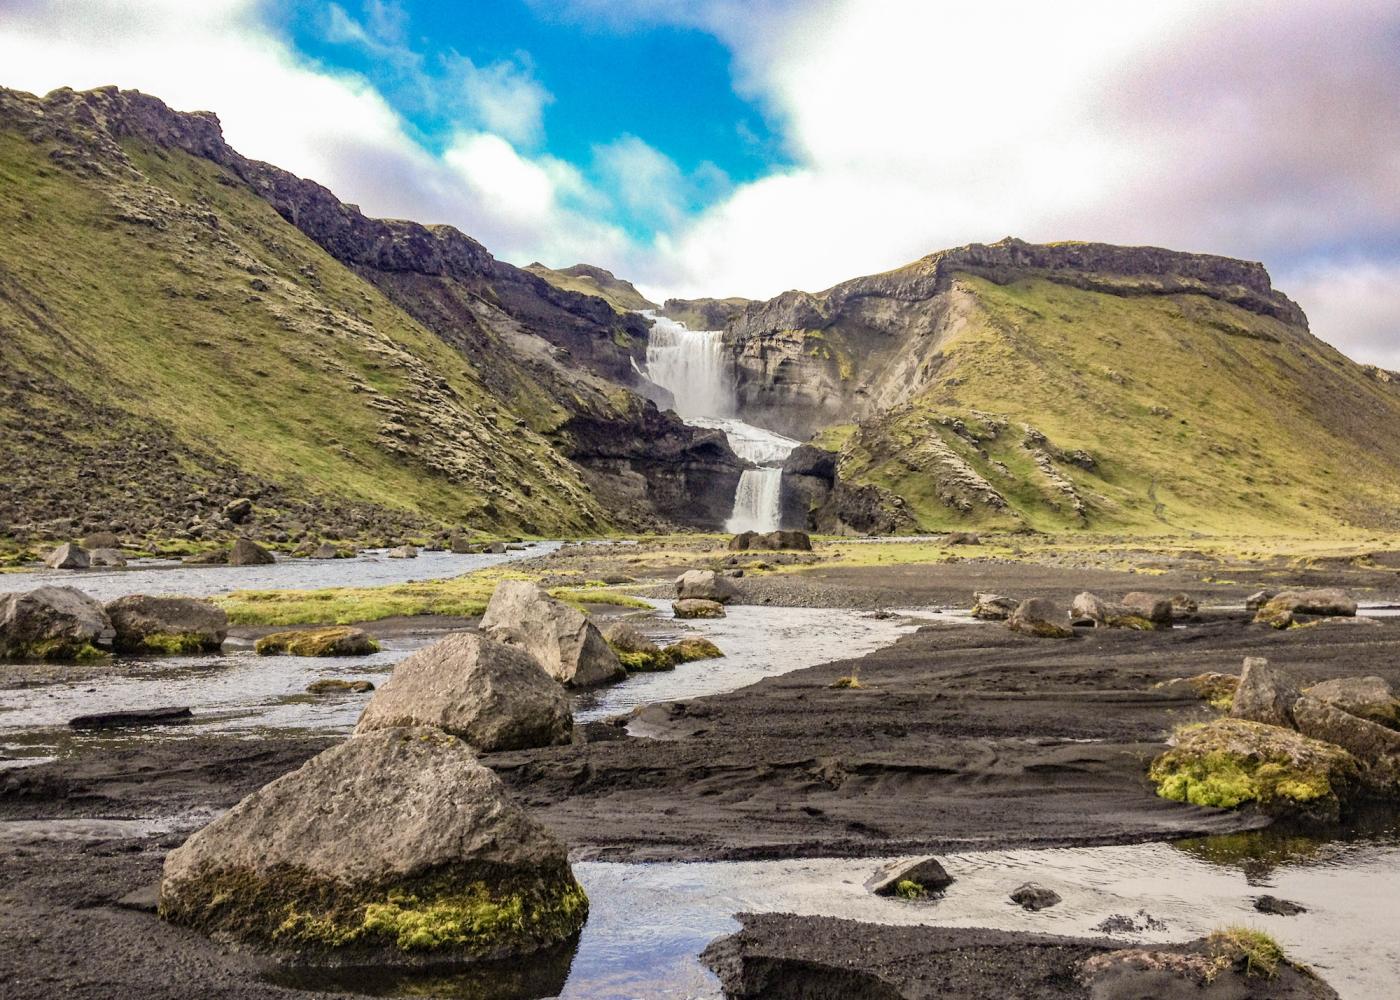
x,y
395,846
1264,694
1368,697
562,638
166,624
492,696
52,623
694,607
246,552
993,607
705,585
107,557
894,879
68,556
1041,618
403,552
1376,748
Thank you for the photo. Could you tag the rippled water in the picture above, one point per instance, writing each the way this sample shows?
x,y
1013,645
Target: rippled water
x,y
163,577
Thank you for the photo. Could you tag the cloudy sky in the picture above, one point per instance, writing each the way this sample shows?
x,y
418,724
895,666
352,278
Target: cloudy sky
x,y
724,147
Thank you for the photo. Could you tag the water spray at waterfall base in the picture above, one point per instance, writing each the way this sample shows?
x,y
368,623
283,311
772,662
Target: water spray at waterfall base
x,y
691,365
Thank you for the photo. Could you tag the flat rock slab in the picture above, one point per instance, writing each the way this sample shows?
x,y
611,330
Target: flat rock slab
x,y
134,717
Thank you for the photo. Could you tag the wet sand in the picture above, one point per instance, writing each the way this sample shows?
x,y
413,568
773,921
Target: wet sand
x,y
960,737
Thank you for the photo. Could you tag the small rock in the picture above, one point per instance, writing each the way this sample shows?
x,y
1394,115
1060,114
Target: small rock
x,y
963,538
993,607
107,557
324,551
1281,610
1279,907
1034,897
403,552
338,640
695,608
68,556
1264,694
1258,599
239,511
334,685
692,649
100,540
1153,607
909,879
1184,605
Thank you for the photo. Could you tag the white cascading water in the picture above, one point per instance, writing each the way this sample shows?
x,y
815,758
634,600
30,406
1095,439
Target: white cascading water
x,y
690,363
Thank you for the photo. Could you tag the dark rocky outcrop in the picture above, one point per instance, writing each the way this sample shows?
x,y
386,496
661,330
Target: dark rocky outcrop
x,y
134,717
1034,897
488,694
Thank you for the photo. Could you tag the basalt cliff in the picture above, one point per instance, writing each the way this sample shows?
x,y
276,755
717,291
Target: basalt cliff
x,y
1063,386
181,326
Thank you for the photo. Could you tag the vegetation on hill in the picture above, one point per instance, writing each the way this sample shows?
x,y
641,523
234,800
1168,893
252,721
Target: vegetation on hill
x,y
589,280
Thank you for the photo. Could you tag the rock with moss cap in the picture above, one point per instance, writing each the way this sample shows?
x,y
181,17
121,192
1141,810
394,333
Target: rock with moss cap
x,y
637,653
147,624
993,607
53,623
694,607
1041,618
1282,610
1370,698
493,696
338,640
1376,748
396,846
1233,762
691,649
562,638
1155,609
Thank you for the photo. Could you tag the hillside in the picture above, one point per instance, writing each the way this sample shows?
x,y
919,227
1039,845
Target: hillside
x,y
1069,386
589,280
181,326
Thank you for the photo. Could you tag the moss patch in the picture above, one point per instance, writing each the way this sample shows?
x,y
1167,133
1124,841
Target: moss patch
x,y
1230,762
1257,952
338,641
689,650
168,644
54,651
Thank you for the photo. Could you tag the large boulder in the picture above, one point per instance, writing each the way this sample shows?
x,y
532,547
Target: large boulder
x,y
1264,694
1281,610
1089,609
562,638
107,557
334,640
403,552
1376,748
694,607
1233,762
1370,698
53,623
637,653
246,552
396,845
68,556
993,607
493,696
239,511
166,624
1041,618
705,585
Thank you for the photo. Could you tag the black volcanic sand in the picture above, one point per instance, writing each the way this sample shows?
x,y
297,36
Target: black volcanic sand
x,y
778,956
960,737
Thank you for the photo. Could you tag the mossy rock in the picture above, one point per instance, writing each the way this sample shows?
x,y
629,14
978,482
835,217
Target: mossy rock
x,y
1232,762
691,649
337,641
397,846
644,661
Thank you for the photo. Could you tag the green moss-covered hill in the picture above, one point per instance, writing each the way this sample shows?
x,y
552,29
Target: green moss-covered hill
x,y
589,280
1075,386
181,326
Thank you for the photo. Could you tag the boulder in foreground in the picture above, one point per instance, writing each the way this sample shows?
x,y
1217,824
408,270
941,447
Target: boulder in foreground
x,y
1041,618
1231,762
337,640
493,696
562,638
1370,698
705,585
396,846
53,623
146,624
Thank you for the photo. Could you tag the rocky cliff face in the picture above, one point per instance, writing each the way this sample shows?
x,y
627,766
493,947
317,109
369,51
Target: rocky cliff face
x,y
590,280
1068,386
134,257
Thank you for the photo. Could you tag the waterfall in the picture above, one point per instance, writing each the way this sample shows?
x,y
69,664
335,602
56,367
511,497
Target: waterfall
x,y
691,364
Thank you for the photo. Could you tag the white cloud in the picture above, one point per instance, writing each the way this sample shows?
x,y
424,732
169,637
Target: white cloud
x,y
502,97
1353,305
336,128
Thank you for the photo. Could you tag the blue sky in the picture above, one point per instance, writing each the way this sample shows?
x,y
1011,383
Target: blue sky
x,y
743,147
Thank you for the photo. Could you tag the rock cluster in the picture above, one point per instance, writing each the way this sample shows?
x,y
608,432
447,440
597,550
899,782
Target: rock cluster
x,y
771,541
1282,610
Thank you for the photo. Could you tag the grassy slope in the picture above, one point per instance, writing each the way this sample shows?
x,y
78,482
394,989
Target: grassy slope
x,y
1201,416
165,322
618,294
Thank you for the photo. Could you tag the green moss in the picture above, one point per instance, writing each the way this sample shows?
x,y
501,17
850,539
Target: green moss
x,y
168,644
55,650
644,662
909,889
335,641
1259,953
1230,762
695,648
469,918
